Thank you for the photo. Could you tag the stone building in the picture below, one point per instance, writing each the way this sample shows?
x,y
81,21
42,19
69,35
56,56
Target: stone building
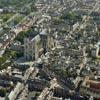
x,y
34,47
31,47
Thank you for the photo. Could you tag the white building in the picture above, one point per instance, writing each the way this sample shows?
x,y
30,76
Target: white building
x,y
96,51
13,94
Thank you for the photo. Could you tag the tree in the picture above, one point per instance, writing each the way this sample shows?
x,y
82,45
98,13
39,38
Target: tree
x,y
2,92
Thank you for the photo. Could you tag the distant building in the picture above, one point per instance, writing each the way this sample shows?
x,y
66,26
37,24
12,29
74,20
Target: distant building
x,y
1,10
91,86
96,51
